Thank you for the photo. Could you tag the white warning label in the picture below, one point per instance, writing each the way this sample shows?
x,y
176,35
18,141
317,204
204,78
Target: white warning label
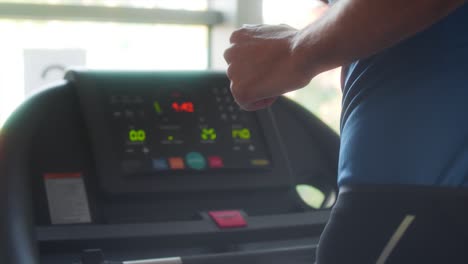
x,y
67,198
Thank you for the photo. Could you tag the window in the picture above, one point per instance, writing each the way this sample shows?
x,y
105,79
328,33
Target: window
x,y
167,4
32,43
323,95
34,51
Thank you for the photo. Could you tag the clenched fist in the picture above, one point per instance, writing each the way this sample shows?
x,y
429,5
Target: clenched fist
x,y
262,65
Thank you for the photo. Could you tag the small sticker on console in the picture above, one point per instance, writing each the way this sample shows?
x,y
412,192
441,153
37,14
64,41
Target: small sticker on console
x,y
67,198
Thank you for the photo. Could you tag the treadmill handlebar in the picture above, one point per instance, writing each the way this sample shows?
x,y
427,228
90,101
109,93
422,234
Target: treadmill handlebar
x,y
300,254
175,260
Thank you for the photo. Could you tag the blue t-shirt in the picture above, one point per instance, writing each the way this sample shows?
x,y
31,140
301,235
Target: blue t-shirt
x,y
405,111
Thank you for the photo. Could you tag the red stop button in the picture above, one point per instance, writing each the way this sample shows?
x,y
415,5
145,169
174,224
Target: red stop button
x,y
228,219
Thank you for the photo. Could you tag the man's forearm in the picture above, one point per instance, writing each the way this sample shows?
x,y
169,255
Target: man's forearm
x,y
354,29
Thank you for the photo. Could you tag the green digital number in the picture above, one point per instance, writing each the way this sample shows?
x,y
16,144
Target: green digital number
x,y
208,134
157,107
243,133
137,135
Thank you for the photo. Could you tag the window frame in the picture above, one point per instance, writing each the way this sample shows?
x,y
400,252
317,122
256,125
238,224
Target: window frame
x,y
119,14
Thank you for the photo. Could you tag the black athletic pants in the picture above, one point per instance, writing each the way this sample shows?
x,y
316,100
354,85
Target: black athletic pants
x,y
404,224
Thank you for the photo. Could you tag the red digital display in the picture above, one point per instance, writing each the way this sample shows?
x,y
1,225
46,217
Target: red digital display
x,y
186,107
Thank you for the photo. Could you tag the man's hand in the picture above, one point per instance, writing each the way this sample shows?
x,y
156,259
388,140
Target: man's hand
x,y
267,61
262,65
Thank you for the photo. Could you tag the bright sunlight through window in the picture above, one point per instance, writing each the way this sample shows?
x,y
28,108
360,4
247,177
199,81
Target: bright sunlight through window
x,y
28,47
323,95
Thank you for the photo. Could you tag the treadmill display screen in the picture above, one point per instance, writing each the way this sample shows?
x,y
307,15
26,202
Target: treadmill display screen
x,y
171,129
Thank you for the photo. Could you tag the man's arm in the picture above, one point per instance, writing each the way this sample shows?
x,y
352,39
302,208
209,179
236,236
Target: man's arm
x,y
354,29
267,61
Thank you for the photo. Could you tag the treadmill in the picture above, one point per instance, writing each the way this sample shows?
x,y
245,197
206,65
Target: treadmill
x,y
161,167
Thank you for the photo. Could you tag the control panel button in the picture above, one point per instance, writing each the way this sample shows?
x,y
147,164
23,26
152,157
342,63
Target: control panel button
x,y
145,150
117,114
215,162
160,164
228,219
176,163
126,99
129,114
195,161
138,100
114,99
260,162
129,150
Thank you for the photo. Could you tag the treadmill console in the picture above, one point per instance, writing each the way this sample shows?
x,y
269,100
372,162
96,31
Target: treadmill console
x,y
177,132
161,167
172,129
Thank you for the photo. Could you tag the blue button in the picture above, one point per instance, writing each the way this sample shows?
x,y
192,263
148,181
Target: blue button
x,y
160,164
